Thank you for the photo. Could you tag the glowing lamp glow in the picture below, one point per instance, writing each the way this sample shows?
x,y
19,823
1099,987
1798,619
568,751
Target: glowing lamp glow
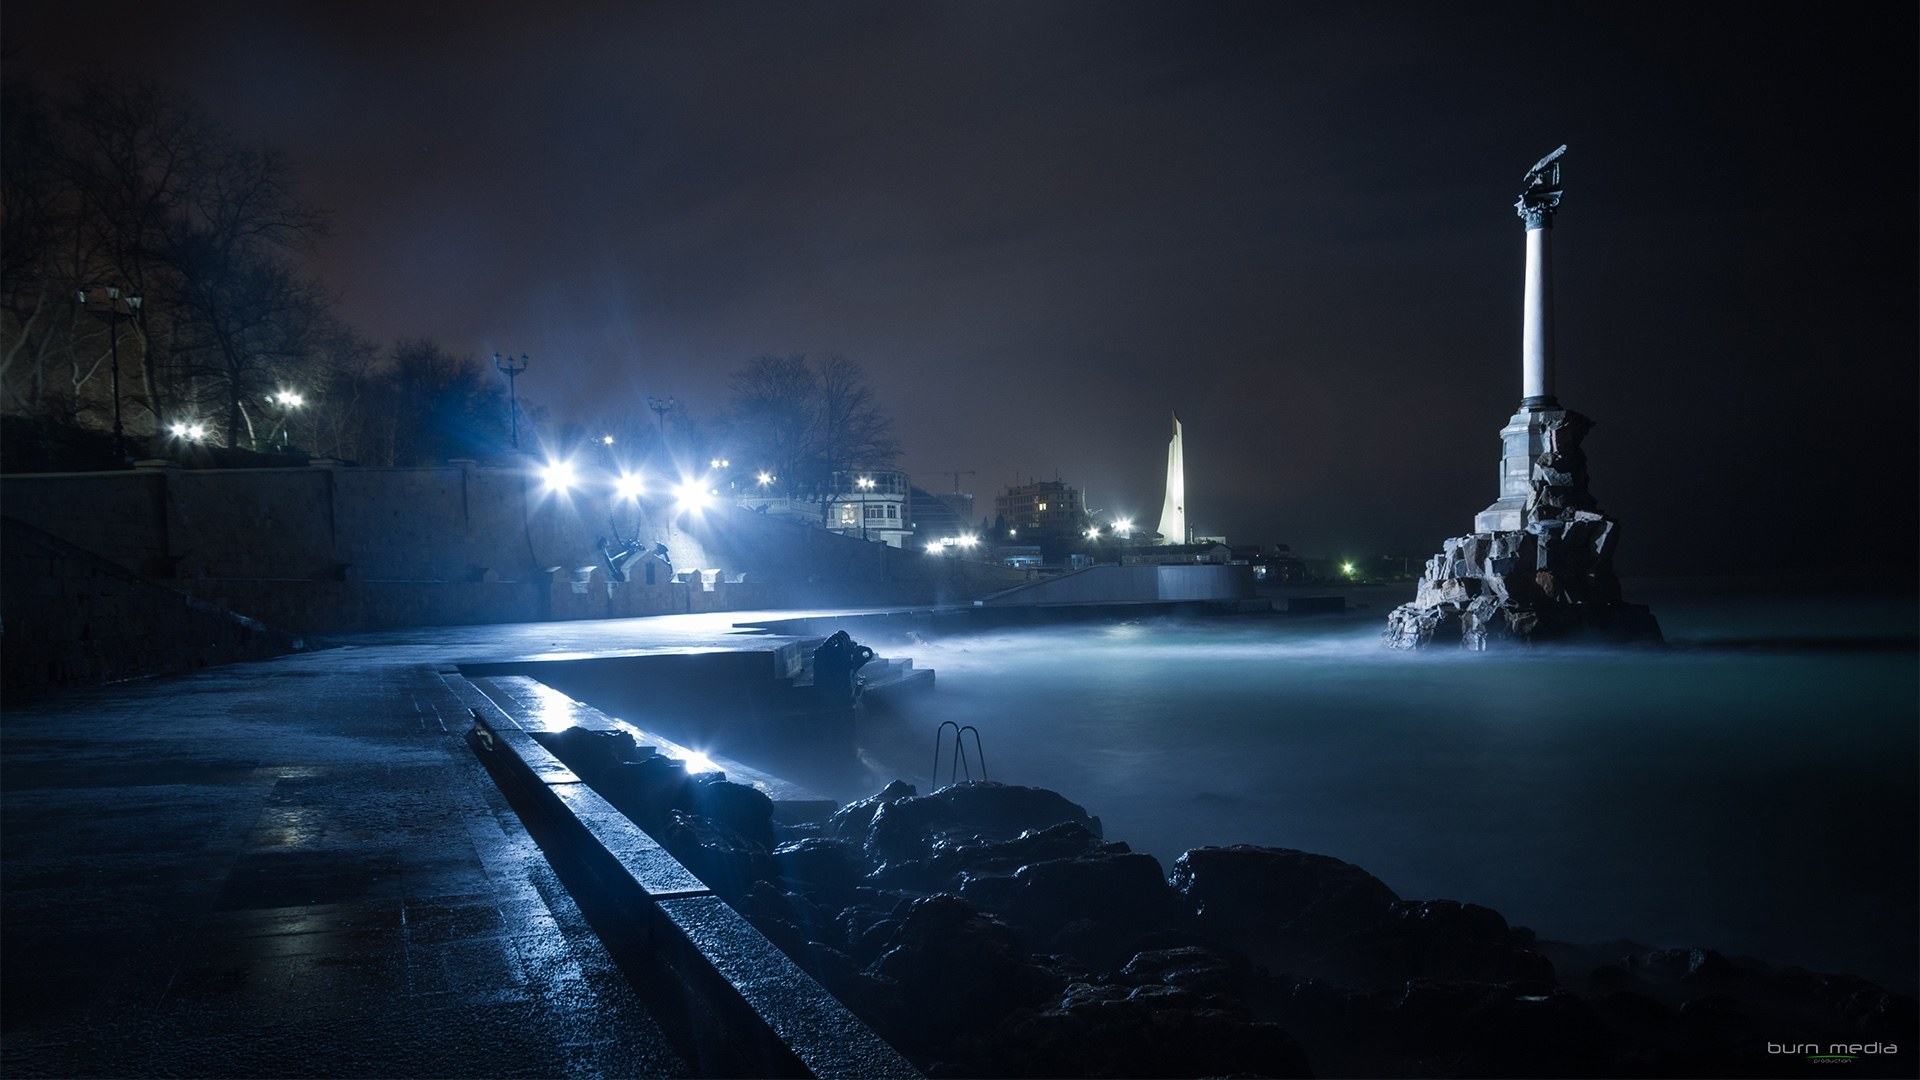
x,y
558,475
691,495
967,541
766,478
1347,569
629,486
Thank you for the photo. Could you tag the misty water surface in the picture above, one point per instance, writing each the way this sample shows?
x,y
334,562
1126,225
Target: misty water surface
x,y
1751,789
1732,792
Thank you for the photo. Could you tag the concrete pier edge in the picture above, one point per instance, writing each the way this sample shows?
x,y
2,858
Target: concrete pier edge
x,y
771,1012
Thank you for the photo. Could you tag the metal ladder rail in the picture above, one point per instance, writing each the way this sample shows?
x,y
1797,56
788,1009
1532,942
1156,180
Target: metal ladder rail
x,y
958,761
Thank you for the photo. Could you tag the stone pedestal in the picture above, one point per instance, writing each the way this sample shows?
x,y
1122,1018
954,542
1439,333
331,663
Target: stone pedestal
x,y
1538,565
1521,442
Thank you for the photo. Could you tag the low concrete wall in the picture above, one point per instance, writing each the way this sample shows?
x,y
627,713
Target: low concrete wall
x,y
322,549
1133,585
772,1018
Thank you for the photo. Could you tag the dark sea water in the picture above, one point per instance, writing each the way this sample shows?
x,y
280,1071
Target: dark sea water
x,y
1750,789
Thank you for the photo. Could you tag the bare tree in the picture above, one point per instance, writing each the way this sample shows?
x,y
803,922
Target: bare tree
x,y
125,183
804,422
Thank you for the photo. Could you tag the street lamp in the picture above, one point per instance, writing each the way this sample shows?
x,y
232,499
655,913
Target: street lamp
x,y
288,401
512,368
661,409
112,314
865,484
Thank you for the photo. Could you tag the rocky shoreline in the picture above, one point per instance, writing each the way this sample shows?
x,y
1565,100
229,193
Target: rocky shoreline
x,y
991,930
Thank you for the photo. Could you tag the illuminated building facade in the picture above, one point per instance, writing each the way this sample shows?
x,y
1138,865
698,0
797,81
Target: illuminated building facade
x,y
874,504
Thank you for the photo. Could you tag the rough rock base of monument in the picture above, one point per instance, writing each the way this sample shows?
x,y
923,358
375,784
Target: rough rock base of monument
x,y
1552,581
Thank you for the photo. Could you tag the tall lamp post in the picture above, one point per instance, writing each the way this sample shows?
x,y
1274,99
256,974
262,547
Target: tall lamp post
x,y
112,314
661,409
288,401
512,368
865,484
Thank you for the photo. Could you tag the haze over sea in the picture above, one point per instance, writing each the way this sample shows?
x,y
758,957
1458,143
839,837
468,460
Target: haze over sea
x,y
1751,789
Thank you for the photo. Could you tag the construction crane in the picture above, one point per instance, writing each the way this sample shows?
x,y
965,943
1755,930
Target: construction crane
x,y
957,474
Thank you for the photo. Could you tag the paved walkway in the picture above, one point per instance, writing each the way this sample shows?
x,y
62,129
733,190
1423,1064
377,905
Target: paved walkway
x,y
297,868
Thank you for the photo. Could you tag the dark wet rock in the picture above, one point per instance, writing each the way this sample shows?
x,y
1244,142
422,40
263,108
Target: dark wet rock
x,y
1189,967
591,752
745,809
1282,907
958,864
728,862
1441,939
1096,906
821,866
852,821
1150,1030
1448,1028
956,971
971,813
952,865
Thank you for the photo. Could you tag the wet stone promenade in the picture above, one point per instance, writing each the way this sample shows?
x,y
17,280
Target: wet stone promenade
x,y
297,867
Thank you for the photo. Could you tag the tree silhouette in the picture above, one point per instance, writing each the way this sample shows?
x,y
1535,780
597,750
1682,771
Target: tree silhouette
x,y
803,421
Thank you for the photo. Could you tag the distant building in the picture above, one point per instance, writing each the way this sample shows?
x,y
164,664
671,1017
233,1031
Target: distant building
x,y
1043,508
1018,556
1276,564
1175,554
940,517
873,504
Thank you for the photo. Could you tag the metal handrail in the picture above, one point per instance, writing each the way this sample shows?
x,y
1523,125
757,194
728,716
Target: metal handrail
x,y
959,759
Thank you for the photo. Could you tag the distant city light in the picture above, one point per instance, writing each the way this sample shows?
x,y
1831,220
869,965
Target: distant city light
x,y
558,475
629,486
1346,568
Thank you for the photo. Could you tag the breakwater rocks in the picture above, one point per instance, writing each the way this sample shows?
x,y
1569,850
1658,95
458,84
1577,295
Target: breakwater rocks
x,y
992,930
1552,579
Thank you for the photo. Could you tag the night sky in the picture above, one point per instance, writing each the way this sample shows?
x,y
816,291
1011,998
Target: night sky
x,y
1042,226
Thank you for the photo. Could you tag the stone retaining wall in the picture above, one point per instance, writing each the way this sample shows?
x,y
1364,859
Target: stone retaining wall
x,y
335,548
70,618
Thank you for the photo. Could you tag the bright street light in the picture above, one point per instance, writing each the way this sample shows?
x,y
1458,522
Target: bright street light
x,y
559,475
691,494
629,486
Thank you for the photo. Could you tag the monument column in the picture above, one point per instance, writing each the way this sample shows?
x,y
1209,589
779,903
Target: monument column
x,y
1522,440
1536,206
1536,337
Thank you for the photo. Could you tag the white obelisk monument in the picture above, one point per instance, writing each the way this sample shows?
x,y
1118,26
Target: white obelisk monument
x,y
1173,512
